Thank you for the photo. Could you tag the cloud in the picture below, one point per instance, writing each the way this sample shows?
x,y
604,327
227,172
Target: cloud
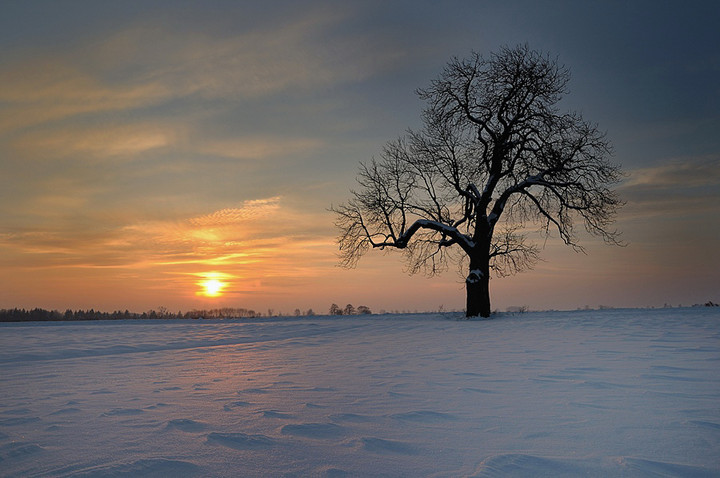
x,y
297,54
151,63
267,233
252,209
94,141
685,186
259,147
48,88
678,173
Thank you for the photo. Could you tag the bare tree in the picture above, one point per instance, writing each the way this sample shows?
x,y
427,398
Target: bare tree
x,y
495,156
364,310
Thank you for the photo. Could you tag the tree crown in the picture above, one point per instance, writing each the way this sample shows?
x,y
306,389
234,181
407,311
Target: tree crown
x,y
494,156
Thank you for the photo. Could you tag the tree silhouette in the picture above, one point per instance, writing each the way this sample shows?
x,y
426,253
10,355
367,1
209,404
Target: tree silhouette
x,y
364,310
495,156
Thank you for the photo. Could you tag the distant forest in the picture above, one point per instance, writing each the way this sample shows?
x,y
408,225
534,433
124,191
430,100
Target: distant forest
x,y
42,315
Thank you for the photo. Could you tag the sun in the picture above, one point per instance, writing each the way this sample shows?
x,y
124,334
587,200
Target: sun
x,y
212,284
212,287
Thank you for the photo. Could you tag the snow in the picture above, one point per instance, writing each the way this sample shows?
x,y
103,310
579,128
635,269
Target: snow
x,y
474,276
449,231
586,393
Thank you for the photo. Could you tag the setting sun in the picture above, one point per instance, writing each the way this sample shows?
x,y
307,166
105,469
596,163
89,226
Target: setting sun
x,y
212,288
213,284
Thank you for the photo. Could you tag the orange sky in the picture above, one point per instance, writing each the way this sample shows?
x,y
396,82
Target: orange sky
x,y
145,150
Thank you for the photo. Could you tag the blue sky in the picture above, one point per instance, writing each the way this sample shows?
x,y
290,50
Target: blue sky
x,y
147,147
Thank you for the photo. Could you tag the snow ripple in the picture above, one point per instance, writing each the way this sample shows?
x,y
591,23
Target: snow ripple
x,y
241,441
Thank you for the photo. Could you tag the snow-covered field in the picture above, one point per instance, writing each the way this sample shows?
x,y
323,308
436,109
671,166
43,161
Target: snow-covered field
x,y
592,393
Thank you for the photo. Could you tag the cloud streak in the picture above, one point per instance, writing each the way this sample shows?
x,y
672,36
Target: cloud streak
x,y
686,186
146,65
257,231
689,172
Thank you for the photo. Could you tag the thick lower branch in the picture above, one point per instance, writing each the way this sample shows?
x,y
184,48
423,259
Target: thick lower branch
x,y
456,237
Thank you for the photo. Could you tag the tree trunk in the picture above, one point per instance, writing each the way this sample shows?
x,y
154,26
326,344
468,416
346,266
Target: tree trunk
x,y
477,285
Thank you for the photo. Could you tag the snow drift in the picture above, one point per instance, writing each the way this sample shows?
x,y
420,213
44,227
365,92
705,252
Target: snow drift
x,y
591,393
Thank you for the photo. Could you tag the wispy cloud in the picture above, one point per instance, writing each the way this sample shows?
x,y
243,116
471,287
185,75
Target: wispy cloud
x,y
43,89
94,141
149,63
260,238
688,172
685,186
259,147
252,209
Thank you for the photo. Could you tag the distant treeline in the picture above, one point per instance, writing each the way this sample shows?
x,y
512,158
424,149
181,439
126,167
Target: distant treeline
x,y
349,310
42,315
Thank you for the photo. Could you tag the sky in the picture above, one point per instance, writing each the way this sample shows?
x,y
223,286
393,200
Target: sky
x,y
185,154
